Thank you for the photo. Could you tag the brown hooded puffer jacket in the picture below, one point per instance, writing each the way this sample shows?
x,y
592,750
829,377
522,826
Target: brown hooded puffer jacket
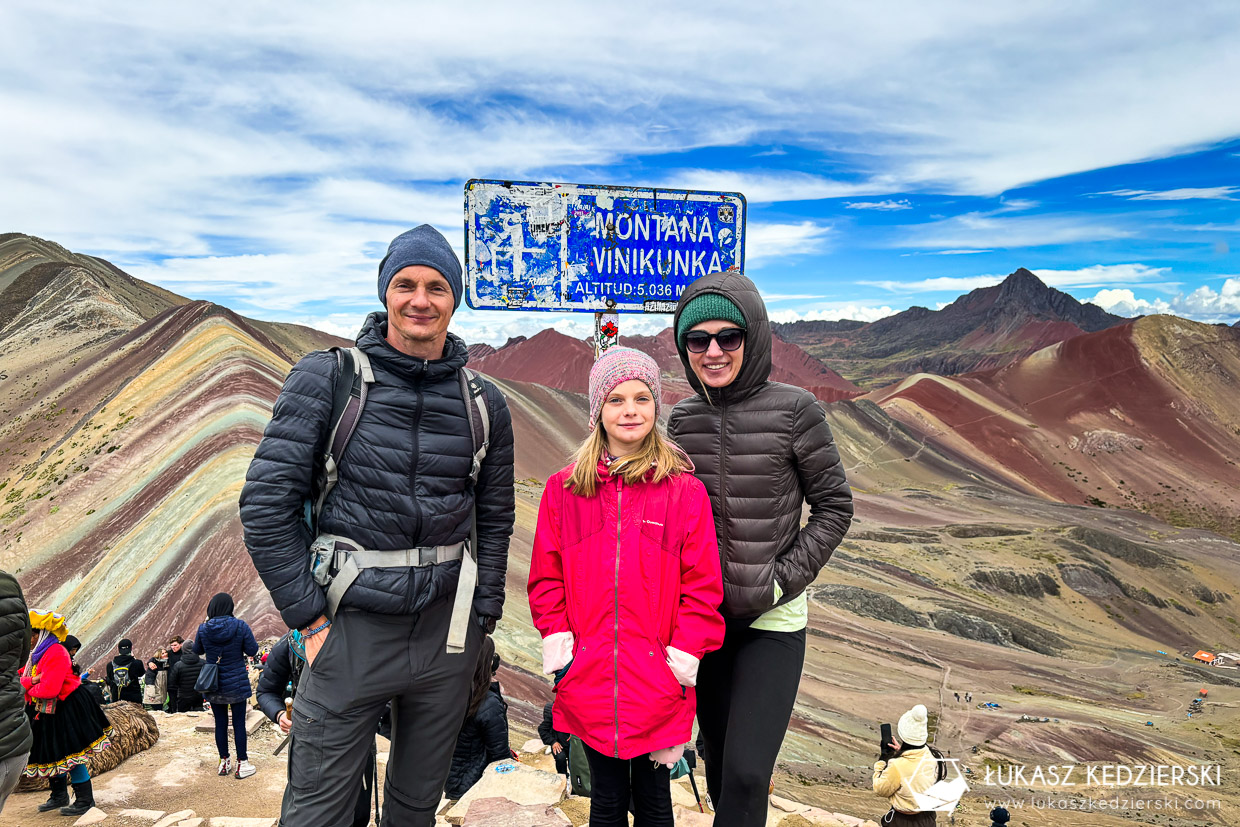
x,y
762,448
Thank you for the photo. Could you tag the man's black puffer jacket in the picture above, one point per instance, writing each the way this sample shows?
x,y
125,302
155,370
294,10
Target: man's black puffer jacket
x,y
403,482
15,736
762,449
482,740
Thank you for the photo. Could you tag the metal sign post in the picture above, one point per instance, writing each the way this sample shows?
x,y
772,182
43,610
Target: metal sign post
x,y
595,249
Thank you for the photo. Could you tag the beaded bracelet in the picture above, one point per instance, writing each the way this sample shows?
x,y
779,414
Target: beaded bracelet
x,y
316,629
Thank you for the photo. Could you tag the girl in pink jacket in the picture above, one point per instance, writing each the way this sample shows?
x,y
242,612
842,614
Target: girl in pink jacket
x,y
625,589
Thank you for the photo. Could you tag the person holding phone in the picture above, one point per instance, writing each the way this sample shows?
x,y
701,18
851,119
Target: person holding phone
x,y
907,766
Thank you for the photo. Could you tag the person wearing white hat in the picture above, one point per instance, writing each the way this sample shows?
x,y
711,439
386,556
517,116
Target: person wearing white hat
x,y
907,766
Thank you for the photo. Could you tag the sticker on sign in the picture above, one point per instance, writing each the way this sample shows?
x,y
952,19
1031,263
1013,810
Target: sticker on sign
x,y
586,247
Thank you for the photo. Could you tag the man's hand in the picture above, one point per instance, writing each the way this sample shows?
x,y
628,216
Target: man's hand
x,y
285,722
556,749
315,642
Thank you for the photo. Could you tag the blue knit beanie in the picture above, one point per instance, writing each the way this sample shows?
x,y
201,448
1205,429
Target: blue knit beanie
x,y
421,245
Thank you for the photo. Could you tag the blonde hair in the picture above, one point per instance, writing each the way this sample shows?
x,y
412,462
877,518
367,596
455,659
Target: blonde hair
x,y
658,456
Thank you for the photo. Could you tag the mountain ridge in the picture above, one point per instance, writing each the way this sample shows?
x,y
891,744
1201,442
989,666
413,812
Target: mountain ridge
x,y
987,327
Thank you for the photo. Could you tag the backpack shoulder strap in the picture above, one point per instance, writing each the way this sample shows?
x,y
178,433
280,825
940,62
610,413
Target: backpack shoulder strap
x,y
353,376
474,394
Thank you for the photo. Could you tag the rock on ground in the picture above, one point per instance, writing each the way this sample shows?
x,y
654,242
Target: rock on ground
x,y
92,816
514,781
500,812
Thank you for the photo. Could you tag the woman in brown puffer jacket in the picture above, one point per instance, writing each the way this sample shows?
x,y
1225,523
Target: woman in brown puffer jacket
x,y
763,449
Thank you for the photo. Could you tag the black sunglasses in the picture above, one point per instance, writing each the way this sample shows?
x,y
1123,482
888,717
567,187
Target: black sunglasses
x,y
730,338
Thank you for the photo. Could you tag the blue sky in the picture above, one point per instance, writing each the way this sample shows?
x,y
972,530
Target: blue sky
x,y
892,154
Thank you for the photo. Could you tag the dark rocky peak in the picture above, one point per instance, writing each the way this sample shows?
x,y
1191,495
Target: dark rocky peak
x,y
1023,283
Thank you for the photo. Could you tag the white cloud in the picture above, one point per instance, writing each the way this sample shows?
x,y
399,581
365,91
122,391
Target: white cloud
x,y
1203,304
888,205
344,325
1123,302
770,187
768,241
834,311
977,230
1181,194
1098,274
302,138
946,253
496,327
770,298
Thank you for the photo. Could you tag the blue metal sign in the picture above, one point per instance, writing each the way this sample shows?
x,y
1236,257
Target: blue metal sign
x,y
581,247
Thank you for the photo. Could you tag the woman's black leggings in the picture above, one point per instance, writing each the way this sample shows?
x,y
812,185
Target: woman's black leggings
x,y
220,711
613,781
745,694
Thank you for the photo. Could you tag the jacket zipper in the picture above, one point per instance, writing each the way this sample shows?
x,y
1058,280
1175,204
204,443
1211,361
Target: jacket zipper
x,y
615,650
723,483
413,466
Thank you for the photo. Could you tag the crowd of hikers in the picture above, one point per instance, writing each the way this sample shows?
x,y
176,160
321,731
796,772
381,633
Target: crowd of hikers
x,y
668,576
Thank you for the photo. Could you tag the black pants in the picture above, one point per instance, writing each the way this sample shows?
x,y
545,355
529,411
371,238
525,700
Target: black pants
x,y
220,711
745,693
614,781
368,660
895,818
191,702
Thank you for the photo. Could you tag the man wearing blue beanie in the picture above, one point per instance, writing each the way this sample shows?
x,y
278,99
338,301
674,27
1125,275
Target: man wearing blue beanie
x,y
402,620
420,285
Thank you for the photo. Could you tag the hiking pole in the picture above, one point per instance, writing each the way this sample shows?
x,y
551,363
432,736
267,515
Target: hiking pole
x,y
691,761
693,784
288,708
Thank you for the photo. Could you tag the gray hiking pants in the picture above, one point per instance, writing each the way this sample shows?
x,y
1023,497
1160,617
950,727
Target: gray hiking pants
x,y
367,660
11,775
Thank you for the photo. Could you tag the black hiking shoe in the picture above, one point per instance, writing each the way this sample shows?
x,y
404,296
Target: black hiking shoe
x,y
83,800
60,794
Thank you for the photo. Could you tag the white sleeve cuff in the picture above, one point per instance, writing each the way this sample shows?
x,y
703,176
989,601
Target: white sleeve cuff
x,y
557,651
684,666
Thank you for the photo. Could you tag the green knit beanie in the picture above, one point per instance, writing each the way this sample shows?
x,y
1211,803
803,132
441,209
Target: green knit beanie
x,y
705,308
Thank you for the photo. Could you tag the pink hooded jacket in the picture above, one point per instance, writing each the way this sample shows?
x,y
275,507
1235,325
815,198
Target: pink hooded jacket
x,y
626,584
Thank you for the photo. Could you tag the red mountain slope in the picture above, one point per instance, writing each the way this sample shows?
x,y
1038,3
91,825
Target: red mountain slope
x,y
1141,415
558,361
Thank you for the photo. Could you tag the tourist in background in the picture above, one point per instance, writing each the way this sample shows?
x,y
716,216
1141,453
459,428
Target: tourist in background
x,y
66,724
484,735
15,737
225,640
907,767
125,673
155,681
552,737
624,588
763,449
181,679
174,657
